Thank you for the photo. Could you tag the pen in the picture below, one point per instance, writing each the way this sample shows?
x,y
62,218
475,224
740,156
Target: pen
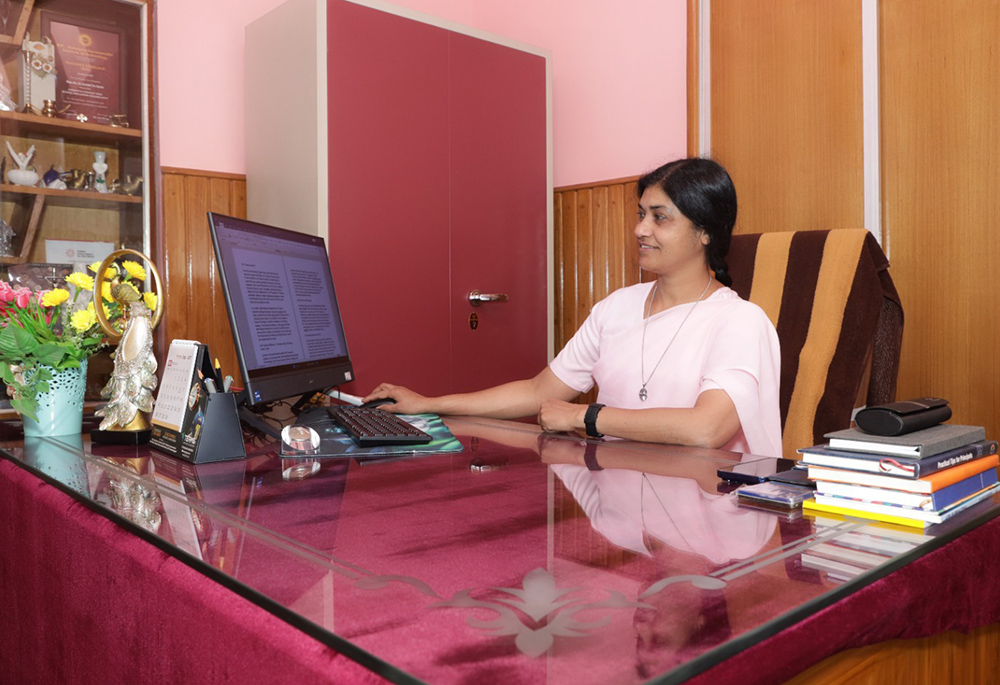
x,y
210,386
226,383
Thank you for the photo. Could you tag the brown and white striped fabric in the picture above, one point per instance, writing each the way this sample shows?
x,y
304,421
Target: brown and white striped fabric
x,y
833,303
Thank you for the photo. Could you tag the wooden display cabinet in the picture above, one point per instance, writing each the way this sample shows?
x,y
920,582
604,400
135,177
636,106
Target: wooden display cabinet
x,y
102,52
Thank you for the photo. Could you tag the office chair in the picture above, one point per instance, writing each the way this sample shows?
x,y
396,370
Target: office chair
x,y
839,322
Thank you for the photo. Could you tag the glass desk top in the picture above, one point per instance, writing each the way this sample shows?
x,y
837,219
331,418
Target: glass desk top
x,y
531,558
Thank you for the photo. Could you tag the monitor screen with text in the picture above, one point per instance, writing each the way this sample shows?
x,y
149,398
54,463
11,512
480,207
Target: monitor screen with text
x,y
283,309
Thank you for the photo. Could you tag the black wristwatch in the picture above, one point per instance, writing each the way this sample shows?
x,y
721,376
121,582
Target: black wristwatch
x,y
590,420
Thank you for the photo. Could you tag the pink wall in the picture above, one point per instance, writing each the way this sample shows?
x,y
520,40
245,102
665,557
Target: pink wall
x,y
618,78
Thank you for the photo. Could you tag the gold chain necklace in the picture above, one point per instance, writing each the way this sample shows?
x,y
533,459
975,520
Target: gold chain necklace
x,y
642,351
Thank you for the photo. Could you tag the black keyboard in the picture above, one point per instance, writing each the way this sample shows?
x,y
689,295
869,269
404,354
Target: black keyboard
x,y
373,427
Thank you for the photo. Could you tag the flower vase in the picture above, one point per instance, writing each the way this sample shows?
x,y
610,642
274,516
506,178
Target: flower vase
x,y
60,410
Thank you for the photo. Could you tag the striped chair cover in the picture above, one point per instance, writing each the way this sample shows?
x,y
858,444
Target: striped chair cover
x,y
838,317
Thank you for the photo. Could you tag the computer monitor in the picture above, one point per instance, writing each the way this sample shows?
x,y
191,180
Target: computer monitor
x,y
283,309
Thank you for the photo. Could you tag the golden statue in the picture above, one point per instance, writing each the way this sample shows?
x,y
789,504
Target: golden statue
x,y
130,390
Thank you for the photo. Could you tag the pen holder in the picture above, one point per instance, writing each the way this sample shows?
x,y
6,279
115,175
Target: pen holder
x,y
221,435
213,434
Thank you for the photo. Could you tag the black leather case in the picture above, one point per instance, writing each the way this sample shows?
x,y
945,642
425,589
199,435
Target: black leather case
x,y
899,418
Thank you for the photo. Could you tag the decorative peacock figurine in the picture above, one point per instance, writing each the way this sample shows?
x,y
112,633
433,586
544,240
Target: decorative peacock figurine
x,y
130,389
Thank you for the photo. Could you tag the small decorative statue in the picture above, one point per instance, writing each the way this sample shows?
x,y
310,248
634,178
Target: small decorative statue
x,y
49,109
75,179
130,185
23,175
130,390
100,169
53,178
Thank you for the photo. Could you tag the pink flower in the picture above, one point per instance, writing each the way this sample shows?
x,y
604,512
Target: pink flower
x,y
22,296
6,292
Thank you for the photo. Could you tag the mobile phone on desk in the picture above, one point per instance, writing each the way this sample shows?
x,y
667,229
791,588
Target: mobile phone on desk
x,y
756,470
794,476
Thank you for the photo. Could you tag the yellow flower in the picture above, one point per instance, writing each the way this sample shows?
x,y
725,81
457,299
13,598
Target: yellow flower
x,y
83,319
107,312
134,270
81,281
150,299
108,273
55,297
106,291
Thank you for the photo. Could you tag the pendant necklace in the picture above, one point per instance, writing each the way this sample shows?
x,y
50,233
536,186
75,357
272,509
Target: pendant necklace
x,y
642,350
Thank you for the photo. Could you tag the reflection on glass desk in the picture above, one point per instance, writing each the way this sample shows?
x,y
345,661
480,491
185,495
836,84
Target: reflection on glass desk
x,y
525,558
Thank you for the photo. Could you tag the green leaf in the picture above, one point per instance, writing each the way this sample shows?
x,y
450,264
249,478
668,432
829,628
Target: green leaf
x,y
50,353
25,407
15,342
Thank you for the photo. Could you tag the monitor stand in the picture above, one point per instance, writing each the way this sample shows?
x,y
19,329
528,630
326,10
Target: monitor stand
x,y
311,415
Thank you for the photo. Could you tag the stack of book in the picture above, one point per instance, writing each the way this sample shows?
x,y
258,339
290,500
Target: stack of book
x,y
917,479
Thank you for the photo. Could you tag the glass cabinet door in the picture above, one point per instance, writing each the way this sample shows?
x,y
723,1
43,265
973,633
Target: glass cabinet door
x,y
74,123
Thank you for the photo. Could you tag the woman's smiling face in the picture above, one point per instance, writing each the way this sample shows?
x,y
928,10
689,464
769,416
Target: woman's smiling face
x,y
668,241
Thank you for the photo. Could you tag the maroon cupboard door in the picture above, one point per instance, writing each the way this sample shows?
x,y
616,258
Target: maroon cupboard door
x,y
437,187
498,212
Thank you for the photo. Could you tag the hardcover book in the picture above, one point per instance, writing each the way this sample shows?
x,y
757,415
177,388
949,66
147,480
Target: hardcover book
x,y
894,514
925,484
922,443
906,467
934,501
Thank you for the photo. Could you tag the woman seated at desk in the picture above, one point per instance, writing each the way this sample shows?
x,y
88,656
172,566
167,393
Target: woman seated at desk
x,y
680,360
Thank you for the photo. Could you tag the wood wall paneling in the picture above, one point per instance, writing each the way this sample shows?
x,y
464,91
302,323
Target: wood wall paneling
x,y
195,308
940,82
786,111
595,251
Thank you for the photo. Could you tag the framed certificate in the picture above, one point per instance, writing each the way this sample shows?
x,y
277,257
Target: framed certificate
x,y
89,59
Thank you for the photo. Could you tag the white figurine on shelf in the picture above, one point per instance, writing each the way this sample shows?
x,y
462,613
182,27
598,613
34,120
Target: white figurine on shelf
x,y
23,175
100,171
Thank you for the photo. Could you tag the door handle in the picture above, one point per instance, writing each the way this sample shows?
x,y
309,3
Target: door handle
x,y
476,298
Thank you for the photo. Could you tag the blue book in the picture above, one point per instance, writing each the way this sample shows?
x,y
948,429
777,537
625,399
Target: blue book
x,y
933,501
